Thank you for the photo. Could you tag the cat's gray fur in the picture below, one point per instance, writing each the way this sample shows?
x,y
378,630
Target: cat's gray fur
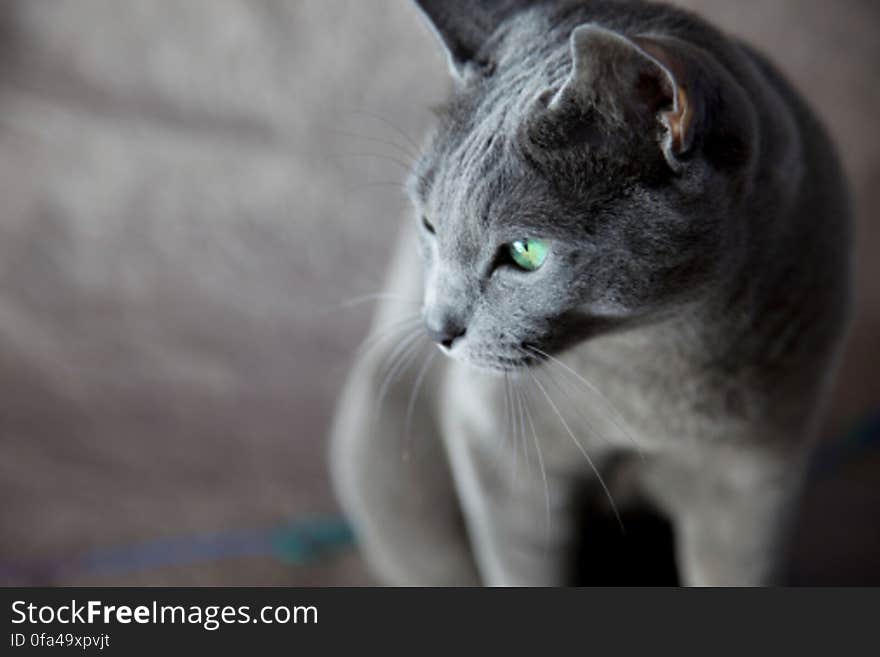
x,y
698,278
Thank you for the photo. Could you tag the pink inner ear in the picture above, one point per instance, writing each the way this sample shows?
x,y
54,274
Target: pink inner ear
x,y
676,119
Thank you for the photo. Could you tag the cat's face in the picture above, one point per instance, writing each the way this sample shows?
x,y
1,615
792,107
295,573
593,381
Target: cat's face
x,y
547,214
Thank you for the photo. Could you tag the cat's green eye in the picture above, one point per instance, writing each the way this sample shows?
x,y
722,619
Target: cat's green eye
x,y
529,253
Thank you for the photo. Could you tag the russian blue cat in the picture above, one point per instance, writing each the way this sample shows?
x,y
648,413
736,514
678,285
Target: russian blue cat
x,y
630,242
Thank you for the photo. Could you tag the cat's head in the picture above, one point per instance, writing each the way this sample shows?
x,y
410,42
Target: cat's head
x,y
580,179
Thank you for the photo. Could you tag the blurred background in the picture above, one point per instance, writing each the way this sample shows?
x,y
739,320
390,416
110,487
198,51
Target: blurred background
x,y
191,193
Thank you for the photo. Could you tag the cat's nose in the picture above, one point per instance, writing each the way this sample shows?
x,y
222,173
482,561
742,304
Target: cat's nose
x,y
443,329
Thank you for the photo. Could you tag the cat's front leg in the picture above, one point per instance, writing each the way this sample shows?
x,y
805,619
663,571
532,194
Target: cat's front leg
x,y
404,510
732,515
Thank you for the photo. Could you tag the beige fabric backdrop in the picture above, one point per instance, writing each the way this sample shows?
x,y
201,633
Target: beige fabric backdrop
x,y
179,215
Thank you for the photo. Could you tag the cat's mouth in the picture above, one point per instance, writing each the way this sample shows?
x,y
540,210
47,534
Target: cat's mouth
x,y
500,360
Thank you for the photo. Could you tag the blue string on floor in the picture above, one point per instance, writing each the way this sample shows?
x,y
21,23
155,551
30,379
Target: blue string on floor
x,y
299,543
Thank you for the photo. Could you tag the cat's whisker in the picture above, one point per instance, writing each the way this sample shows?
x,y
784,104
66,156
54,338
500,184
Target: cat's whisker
x,y
517,427
384,121
569,397
580,448
373,296
510,429
515,433
505,434
349,197
615,416
387,331
507,415
399,360
406,166
413,397
401,349
406,152
541,465
383,184
522,424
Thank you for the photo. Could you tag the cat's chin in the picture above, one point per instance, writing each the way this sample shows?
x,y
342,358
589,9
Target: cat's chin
x,y
496,364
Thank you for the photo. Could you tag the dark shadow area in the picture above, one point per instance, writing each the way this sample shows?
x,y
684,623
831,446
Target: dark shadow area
x,y
642,553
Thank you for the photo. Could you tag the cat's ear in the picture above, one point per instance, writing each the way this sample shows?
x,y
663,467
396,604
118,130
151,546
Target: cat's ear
x,y
463,26
636,83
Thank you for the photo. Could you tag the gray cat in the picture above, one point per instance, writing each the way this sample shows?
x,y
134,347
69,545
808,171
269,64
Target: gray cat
x,y
631,244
